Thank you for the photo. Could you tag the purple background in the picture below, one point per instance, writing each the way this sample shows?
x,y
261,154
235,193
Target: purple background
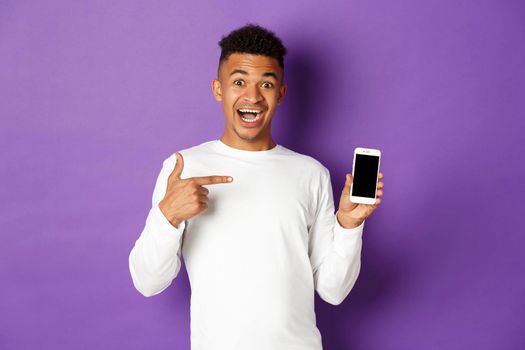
x,y
96,94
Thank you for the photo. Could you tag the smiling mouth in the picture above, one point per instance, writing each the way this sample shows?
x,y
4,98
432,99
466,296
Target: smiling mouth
x,y
250,115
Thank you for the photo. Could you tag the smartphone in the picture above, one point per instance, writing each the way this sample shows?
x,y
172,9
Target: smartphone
x,y
365,173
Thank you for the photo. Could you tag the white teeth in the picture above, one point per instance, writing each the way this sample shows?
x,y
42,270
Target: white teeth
x,y
251,120
249,111
253,111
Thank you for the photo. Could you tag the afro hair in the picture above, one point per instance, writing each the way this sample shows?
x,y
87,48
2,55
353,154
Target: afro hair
x,y
253,39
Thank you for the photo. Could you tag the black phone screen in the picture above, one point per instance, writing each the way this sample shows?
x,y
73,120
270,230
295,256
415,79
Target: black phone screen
x,y
365,176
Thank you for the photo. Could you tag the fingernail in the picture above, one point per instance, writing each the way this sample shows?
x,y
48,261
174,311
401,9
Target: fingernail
x,y
230,179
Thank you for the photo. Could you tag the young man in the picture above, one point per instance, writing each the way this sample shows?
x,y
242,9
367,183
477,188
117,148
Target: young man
x,y
261,237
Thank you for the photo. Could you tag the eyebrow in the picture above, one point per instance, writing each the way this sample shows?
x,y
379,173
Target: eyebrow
x,y
265,74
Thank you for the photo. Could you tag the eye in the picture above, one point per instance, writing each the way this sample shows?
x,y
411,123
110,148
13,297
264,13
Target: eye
x,y
238,82
267,84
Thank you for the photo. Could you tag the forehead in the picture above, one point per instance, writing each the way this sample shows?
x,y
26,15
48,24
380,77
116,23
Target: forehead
x,y
252,64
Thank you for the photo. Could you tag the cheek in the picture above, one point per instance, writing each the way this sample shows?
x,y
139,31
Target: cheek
x,y
228,106
271,99
230,98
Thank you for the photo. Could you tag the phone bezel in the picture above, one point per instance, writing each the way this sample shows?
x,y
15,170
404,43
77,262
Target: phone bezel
x,y
366,152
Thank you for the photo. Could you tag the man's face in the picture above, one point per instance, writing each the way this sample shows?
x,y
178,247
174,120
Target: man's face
x,y
250,88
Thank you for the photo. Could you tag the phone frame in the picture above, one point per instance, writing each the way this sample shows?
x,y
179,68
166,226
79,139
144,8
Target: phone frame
x,y
366,152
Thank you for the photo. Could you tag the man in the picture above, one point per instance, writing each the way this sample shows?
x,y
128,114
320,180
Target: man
x,y
259,239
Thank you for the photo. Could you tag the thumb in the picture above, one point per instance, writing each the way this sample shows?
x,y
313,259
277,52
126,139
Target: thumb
x,y
348,183
179,166
344,202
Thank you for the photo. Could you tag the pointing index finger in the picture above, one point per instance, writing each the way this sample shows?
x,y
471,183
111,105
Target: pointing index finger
x,y
211,180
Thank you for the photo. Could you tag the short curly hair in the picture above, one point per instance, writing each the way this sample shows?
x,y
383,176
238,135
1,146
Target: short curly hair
x,y
253,39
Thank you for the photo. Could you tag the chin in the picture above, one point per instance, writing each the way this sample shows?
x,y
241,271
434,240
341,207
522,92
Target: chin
x,y
248,136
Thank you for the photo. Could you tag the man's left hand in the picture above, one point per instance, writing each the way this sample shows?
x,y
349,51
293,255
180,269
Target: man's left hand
x,y
350,214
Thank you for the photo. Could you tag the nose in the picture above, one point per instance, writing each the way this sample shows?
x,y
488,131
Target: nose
x,y
253,94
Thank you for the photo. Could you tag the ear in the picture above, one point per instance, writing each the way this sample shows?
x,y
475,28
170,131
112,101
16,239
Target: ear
x,y
216,89
282,92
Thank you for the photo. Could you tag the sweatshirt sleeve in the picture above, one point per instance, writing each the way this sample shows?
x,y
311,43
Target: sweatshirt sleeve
x,y
334,251
154,260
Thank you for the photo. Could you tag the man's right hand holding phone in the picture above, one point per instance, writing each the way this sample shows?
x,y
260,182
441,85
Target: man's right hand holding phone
x,y
186,198
350,214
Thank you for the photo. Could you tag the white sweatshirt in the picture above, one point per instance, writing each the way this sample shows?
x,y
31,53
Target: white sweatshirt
x,y
256,254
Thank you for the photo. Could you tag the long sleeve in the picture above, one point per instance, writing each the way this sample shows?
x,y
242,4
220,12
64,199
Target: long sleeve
x,y
335,252
154,260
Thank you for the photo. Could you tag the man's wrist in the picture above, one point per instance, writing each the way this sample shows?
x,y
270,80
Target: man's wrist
x,y
347,224
174,221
